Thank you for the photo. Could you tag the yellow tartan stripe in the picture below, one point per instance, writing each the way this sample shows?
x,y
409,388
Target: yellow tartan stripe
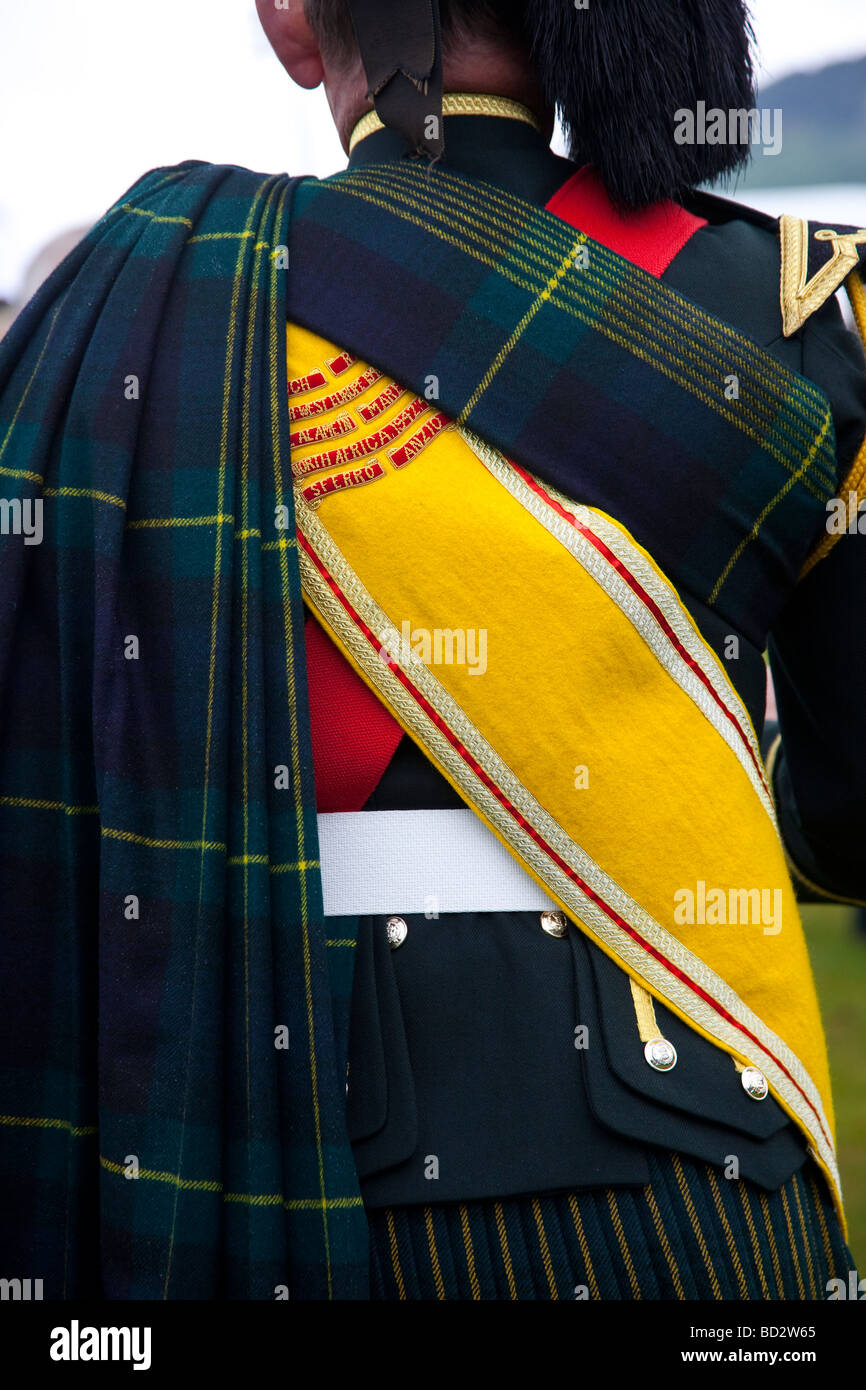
x,y
504,1249
21,473
544,1248
293,1203
254,211
623,1245
284,543
540,299
541,255
584,1246
434,1254
770,506
278,402
685,1190
682,372
218,236
245,530
90,492
753,1236
303,867
664,1242
34,477
470,1252
131,838
154,1175
34,804
214,1185
806,1244
49,1122
395,1254
729,1235
771,1238
474,212
245,772
793,1239
154,216
825,1234
152,522
341,941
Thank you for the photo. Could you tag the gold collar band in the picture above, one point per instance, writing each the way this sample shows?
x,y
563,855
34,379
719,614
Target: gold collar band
x,y
457,104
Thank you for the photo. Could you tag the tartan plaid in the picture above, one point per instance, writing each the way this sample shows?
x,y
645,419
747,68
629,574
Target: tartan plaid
x,y
160,896
600,379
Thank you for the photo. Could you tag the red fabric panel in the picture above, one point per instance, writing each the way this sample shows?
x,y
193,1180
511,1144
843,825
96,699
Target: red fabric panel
x,y
354,736
650,238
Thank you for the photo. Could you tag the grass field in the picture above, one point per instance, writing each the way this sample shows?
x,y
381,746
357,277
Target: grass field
x,y
839,958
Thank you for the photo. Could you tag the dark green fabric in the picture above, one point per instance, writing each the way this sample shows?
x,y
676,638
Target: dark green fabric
x,y
509,153
160,897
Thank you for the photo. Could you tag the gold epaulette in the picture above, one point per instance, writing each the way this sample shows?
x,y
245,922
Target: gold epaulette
x,y
815,261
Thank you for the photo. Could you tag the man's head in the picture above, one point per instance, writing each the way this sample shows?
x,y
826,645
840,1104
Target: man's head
x,y
485,47
472,22
619,73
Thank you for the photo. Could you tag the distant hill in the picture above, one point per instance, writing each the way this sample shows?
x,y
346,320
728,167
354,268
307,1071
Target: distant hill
x,y
823,129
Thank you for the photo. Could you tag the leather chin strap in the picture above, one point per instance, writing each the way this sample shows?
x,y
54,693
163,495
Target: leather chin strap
x,y
401,49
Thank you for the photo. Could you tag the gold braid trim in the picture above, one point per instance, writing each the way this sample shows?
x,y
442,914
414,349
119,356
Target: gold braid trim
x,y
856,479
457,104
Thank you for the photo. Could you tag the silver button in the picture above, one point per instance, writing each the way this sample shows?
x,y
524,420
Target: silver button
x,y
396,932
660,1054
554,923
754,1083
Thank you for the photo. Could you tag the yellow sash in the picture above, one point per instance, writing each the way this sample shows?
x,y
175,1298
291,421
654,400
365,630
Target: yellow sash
x,y
547,667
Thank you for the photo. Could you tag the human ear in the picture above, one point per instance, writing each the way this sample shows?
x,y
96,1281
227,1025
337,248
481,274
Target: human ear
x,y
292,39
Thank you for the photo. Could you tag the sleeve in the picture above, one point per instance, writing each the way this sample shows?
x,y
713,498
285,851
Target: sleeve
x,y
818,658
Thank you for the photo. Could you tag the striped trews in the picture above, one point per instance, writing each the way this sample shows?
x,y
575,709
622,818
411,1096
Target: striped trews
x,y
690,1234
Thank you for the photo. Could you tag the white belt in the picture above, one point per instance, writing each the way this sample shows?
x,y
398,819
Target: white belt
x,y
419,861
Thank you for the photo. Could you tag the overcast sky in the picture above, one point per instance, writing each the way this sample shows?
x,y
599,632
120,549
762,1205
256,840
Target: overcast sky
x,y
94,92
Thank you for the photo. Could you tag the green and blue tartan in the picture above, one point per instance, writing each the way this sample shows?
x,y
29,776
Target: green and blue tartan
x,y
160,896
587,370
